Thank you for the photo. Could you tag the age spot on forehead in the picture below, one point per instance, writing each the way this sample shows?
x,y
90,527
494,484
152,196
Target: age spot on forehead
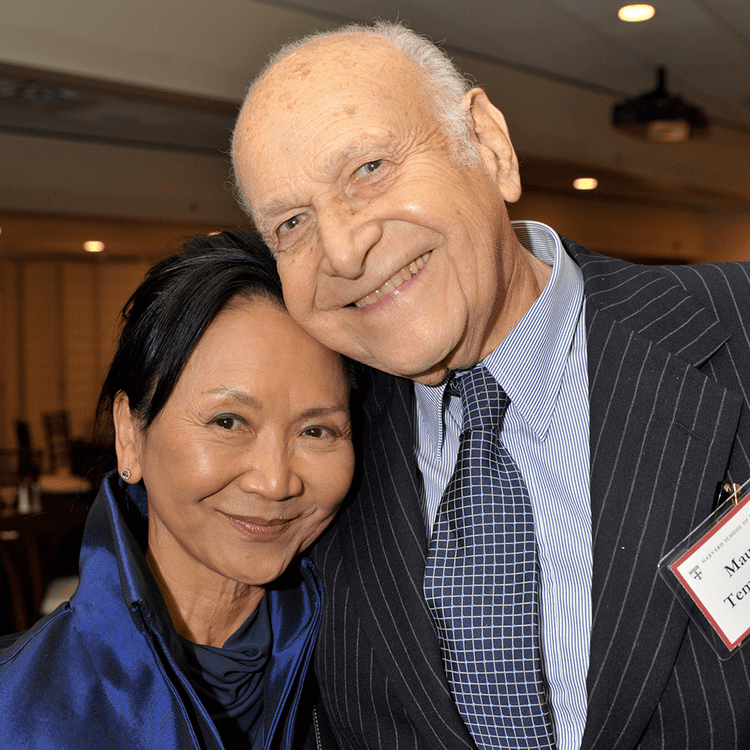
x,y
298,65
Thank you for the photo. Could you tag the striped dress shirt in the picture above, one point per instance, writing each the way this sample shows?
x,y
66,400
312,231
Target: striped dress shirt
x,y
542,366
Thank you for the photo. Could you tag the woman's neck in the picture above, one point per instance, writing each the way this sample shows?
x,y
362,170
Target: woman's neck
x,y
207,611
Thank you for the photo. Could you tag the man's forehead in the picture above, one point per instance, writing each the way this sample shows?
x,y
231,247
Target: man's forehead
x,y
299,107
351,64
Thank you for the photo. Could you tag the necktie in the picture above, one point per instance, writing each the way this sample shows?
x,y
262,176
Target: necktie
x,y
481,581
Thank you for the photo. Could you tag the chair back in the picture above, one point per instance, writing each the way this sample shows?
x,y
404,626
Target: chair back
x,y
19,465
57,438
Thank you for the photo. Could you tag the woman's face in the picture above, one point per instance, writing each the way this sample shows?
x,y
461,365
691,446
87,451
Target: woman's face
x,y
251,455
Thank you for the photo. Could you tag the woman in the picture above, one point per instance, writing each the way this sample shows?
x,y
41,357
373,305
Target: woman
x,y
195,618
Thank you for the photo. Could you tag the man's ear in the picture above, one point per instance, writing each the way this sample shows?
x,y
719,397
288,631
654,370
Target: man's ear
x,y
493,140
128,438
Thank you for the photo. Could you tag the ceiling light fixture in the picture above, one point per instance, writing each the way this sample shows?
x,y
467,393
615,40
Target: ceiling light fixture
x,y
585,183
93,246
635,13
660,116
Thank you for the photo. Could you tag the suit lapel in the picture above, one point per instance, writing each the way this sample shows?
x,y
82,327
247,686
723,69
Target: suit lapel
x,y
661,435
386,573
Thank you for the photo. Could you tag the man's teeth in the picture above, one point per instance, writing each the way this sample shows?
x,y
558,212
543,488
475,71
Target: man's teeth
x,y
398,278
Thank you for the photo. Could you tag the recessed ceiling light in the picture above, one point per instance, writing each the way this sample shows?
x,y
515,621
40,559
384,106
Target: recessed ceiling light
x,y
93,246
634,13
585,183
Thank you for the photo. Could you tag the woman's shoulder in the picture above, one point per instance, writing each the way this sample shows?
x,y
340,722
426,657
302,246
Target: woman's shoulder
x,y
33,676
64,687
48,631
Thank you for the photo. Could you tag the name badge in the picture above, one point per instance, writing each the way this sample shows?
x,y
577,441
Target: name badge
x,y
709,571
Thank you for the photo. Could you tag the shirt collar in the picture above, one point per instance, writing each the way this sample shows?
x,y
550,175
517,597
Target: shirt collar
x,y
530,362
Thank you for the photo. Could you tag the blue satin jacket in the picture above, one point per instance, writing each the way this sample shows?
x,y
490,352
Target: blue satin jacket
x,y
99,671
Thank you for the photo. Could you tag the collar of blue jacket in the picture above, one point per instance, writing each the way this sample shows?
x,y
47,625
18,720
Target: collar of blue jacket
x,y
106,669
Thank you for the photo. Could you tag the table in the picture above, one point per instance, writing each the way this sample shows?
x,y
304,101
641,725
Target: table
x,y
28,542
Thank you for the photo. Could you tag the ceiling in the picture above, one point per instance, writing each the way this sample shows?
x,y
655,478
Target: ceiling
x,y
704,44
164,88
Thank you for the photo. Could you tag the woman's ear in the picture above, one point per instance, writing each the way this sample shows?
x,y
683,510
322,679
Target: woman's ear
x,y
128,438
493,140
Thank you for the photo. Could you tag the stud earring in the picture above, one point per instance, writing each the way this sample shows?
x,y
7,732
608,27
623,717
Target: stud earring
x,y
125,474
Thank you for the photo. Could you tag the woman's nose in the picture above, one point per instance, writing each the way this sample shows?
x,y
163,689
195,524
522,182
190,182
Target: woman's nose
x,y
270,472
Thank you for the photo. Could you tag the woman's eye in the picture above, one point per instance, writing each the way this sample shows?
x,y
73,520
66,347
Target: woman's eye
x,y
316,431
369,167
226,422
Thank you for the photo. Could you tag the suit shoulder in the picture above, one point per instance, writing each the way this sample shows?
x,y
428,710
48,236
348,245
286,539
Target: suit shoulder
x,y
722,288
709,279
717,287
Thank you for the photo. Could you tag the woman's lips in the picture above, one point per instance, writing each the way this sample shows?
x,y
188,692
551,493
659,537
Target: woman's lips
x,y
407,273
260,529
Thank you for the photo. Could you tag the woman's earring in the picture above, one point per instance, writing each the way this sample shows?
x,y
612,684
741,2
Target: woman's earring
x,y
125,474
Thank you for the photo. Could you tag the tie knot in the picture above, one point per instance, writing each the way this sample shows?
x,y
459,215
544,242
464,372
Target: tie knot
x,y
484,401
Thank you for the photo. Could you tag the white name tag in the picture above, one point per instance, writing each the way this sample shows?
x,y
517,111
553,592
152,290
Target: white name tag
x,y
712,566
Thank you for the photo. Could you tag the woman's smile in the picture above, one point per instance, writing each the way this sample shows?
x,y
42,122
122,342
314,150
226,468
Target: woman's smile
x,y
260,529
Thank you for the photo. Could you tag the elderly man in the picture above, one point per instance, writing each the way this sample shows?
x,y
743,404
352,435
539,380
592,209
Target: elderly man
x,y
542,425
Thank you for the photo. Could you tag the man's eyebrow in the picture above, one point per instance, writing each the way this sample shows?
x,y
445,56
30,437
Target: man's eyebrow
x,y
276,207
338,159
335,161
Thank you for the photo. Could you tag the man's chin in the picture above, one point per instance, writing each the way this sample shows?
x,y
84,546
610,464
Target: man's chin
x,y
423,365
434,376
427,374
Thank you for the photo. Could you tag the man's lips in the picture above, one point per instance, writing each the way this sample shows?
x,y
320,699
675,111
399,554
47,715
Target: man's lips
x,y
405,274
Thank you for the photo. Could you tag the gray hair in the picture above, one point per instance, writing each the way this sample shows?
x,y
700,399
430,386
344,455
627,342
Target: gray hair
x,y
444,84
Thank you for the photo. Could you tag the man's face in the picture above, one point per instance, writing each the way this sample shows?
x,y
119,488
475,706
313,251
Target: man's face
x,y
389,250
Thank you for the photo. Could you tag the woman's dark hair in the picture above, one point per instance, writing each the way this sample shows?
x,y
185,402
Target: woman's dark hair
x,y
169,312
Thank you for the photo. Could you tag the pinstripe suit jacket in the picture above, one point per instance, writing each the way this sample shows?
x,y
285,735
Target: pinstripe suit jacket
x,y
669,375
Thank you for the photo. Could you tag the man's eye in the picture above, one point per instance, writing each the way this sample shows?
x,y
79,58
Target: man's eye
x,y
290,224
369,167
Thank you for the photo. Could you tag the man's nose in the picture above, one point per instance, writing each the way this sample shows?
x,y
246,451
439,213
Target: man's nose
x,y
269,472
346,239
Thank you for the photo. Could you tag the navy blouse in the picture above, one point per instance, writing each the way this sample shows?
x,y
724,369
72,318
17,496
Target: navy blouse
x,y
229,680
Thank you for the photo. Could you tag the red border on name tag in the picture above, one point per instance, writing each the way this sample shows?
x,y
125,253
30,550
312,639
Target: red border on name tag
x,y
731,645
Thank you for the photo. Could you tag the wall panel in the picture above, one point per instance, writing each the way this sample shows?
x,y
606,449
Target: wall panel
x,y
60,321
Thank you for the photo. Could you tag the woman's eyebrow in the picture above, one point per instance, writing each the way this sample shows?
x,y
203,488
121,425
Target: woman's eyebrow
x,y
323,411
238,394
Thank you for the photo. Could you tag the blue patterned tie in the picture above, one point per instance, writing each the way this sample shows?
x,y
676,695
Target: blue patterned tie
x,y
481,581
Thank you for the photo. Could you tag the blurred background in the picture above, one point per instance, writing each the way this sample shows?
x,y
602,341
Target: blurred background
x,y
115,120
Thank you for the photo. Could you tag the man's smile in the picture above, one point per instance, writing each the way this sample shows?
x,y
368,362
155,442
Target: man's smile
x,y
407,273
